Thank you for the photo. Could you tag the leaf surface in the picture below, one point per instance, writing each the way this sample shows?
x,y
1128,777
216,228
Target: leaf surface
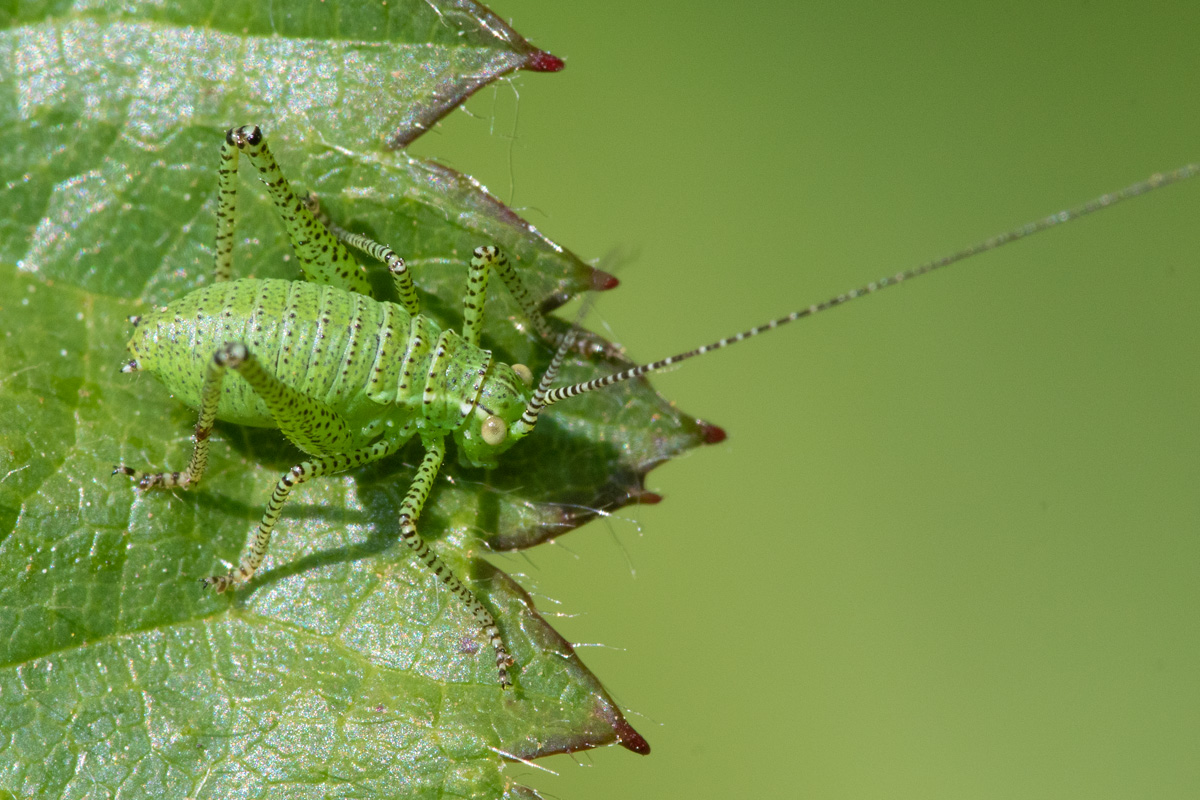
x,y
343,669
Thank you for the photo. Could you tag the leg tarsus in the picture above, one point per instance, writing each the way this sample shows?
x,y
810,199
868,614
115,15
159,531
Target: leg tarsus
x,y
219,583
156,480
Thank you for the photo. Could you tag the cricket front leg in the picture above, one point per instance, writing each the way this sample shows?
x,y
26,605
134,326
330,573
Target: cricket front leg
x,y
410,510
516,289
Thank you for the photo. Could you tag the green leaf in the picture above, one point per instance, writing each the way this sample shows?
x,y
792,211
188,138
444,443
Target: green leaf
x,y
342,669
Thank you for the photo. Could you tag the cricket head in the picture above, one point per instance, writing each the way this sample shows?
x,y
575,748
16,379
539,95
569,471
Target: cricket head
x,y
488,430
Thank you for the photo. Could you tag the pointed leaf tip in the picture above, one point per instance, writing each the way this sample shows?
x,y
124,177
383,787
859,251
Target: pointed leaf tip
x,y
541,61
603,281
630,739
713,434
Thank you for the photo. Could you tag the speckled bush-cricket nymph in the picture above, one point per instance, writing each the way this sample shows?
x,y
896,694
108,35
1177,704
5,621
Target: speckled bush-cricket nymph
x,y
350,379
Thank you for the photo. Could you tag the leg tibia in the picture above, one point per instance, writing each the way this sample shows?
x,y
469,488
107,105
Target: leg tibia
x,y
226,211
313,468
487,622
322,257
517,289
410,509
481,265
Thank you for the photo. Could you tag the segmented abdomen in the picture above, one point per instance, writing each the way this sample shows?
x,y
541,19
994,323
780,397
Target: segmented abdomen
x,y
339,347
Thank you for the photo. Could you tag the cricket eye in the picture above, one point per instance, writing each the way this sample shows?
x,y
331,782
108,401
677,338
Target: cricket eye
x,y
524,373
493,430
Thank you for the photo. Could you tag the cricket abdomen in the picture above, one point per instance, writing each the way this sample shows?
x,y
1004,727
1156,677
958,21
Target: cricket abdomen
x,y
369,361
329,344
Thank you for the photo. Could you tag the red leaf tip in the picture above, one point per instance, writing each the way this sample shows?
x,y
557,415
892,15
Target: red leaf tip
x,y
648,498
602,281
630,739
713,434
541,61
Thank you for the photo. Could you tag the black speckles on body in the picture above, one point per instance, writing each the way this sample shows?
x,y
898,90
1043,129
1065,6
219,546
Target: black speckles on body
x,y
450,391
346,378
363,358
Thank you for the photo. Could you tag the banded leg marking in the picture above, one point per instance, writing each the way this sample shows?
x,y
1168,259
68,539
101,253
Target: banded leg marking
x,y
410,510
210,396
304,471
322,257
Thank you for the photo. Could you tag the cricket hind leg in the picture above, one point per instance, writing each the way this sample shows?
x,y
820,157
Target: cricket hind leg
x,y
320,245
310,425
302,472
322,257
410,510
306,422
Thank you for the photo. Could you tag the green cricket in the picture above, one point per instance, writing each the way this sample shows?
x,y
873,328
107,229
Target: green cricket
x,y
350,379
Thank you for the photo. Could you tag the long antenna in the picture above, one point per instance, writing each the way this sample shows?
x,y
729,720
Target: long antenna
x,y
1156,181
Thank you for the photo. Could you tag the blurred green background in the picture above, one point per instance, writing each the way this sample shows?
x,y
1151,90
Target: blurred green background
x,y
950,548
